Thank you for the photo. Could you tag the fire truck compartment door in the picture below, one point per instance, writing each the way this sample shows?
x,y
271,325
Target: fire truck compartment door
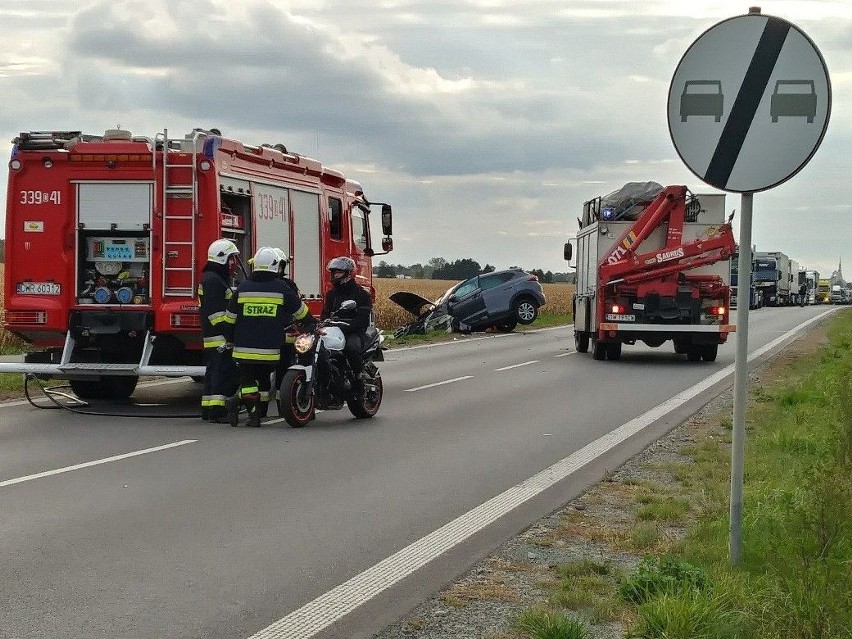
x,y
307,266
122,206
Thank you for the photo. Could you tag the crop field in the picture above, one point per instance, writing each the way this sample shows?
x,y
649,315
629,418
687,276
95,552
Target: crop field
x,y
389,315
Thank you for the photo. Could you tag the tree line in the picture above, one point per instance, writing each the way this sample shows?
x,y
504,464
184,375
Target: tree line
x,y
439,268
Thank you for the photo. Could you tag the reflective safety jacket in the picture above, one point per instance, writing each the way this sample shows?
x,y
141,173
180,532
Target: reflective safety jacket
x,y
258,313
214,293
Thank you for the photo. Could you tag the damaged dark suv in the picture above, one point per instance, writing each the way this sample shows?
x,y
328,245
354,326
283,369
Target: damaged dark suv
x,y
501,299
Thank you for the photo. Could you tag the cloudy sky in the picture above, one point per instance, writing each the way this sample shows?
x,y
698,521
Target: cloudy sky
x,y
486,123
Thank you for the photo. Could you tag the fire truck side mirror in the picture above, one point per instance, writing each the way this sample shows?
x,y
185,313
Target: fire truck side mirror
x,y
387,244
568,251
387,220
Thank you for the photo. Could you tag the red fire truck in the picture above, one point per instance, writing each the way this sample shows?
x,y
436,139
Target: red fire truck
x,y
106,237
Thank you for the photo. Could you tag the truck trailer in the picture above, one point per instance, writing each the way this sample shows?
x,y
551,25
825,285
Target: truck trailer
x,y
660,274
773,277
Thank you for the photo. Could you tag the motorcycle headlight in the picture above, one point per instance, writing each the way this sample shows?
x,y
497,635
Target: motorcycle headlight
x,y
304,343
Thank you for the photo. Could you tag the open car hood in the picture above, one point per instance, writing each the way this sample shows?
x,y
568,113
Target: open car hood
x,y
412,302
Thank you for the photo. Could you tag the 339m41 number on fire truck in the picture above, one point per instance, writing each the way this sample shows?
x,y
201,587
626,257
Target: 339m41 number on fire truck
x,y
41,197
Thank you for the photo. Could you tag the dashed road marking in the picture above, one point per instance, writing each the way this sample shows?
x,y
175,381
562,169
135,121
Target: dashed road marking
x,y
446,381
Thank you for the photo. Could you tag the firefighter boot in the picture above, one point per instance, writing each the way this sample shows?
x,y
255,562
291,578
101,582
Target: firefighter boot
x,y
232,405
252,404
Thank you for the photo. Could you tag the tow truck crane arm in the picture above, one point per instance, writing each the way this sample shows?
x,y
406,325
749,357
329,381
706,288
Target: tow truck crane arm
x,y
625,265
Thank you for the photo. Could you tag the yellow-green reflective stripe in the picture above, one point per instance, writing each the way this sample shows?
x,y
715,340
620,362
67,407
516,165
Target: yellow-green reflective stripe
x,y
301,313
214,342
257,356
260,300
216,318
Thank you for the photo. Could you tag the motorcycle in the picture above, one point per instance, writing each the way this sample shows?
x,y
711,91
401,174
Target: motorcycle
x,y
322,378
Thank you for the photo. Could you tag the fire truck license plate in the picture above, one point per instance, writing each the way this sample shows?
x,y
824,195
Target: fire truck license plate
x,y
621,318
38,288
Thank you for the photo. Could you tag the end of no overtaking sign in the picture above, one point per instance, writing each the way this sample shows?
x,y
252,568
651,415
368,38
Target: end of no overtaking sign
x,y
749,103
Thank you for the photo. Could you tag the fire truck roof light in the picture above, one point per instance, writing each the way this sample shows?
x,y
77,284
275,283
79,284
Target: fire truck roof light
x,y
210,145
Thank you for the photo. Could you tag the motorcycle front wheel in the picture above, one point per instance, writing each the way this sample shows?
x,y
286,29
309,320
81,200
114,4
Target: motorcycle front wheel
x,y
295,405
367,403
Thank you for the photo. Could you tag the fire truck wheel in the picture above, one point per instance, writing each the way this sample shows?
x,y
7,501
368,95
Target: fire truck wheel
x,y
599,349
88,389
113,387
709,352
613,351
581,341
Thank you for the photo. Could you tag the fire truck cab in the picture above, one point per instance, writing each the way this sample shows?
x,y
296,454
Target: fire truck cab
x,y
106,237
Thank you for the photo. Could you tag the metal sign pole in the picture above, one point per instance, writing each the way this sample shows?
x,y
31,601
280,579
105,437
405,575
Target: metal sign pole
x,y
740,380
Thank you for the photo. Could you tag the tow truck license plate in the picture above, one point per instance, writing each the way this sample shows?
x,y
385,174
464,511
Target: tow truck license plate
x,y
621,318
38,288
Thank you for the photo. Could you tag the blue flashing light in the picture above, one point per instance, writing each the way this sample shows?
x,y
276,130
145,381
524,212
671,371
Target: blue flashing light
x,y
211,143
15,151
608,213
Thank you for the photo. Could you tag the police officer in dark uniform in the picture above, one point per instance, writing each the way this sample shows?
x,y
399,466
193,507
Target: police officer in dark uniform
x,y
344,287
214,293
258,314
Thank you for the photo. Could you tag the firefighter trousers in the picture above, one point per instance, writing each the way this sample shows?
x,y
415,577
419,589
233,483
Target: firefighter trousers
x,y
220,382
255,382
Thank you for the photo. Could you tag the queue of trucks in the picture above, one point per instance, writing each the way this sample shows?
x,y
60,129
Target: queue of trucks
x,y
778,280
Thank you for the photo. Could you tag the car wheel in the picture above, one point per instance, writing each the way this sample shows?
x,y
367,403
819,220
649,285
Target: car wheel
x,y
709,352
526,310
506,326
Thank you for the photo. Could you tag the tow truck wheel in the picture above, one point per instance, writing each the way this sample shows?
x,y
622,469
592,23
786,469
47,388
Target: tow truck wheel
x,y
709,352
599,349
581,341
613,351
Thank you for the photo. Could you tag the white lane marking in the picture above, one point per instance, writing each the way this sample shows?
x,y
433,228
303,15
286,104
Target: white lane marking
x,y
446,381
468,340
316,615
97,462
505,368
564,354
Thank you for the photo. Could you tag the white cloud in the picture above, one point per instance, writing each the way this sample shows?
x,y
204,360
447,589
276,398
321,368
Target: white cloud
x,y
483,122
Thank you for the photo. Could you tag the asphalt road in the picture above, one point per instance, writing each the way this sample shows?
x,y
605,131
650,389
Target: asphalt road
x,y
169,527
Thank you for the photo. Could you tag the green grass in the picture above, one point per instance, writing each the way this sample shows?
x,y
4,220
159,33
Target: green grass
x,y
794,580
537,623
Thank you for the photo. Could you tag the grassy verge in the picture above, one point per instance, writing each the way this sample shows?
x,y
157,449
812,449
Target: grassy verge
x,y
795,577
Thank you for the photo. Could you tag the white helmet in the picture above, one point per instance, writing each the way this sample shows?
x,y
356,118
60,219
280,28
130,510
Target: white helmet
x,y
220,250
282,257
266,259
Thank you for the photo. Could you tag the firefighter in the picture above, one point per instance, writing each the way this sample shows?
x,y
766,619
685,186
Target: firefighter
x,y
258,314
214,293
288,352
344,287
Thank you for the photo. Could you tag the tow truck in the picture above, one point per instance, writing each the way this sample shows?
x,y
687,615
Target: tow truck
x,y
663,275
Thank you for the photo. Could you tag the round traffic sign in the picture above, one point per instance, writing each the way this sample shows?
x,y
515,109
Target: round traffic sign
x,y
749,103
